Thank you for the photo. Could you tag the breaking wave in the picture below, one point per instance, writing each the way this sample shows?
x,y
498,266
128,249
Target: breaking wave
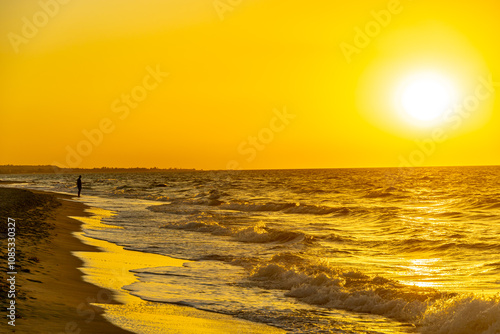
x,y
258,233
431,311
289,208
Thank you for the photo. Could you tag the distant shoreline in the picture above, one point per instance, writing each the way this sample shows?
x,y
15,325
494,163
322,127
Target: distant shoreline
x,y
49,169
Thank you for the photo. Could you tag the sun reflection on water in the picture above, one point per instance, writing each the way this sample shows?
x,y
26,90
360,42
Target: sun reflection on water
x,y
422,272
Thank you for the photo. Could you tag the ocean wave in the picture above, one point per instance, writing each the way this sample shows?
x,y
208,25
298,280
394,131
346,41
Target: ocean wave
x,y
158,185
306,190
325,286
199,226
453,243
449,214
382,194
252,207
200,199
285,207
494,206
158,198
496,265
257,233
289,208
482,203
429,310
173,209
317,210
333,237
120,190
465,314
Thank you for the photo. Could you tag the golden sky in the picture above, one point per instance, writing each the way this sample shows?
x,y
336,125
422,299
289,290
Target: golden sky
x,y
249,83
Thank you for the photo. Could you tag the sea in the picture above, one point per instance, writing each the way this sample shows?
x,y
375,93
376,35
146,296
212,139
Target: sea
x,y
389,250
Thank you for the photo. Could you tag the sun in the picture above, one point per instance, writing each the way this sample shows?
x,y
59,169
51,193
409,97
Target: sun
x,y
425,96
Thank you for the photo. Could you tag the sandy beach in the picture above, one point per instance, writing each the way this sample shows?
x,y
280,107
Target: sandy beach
x,y
53,296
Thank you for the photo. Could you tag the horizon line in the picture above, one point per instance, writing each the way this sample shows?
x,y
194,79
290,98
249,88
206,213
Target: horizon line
x,y
53,167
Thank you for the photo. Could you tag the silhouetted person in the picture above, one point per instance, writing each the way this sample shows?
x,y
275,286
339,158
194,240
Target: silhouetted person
x,y
79,185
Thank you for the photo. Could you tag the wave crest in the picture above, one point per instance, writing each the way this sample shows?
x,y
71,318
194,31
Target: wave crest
x,y
258,233
430,310
290,208
463,315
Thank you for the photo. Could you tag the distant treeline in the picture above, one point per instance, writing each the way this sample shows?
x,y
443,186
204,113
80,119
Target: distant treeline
x,y
49,169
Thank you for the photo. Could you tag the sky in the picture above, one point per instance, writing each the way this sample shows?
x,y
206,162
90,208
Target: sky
x,y
249,84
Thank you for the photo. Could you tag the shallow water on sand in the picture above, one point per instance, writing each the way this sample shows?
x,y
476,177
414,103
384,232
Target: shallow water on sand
x,y
340,250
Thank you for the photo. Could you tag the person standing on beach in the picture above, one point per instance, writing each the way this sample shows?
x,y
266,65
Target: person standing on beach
x,y
79,185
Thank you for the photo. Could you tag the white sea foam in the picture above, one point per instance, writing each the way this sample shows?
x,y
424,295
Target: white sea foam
x,y
463,314
429,310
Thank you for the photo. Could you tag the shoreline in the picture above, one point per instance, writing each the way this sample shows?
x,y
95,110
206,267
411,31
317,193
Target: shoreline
x,y
57,299
69,289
